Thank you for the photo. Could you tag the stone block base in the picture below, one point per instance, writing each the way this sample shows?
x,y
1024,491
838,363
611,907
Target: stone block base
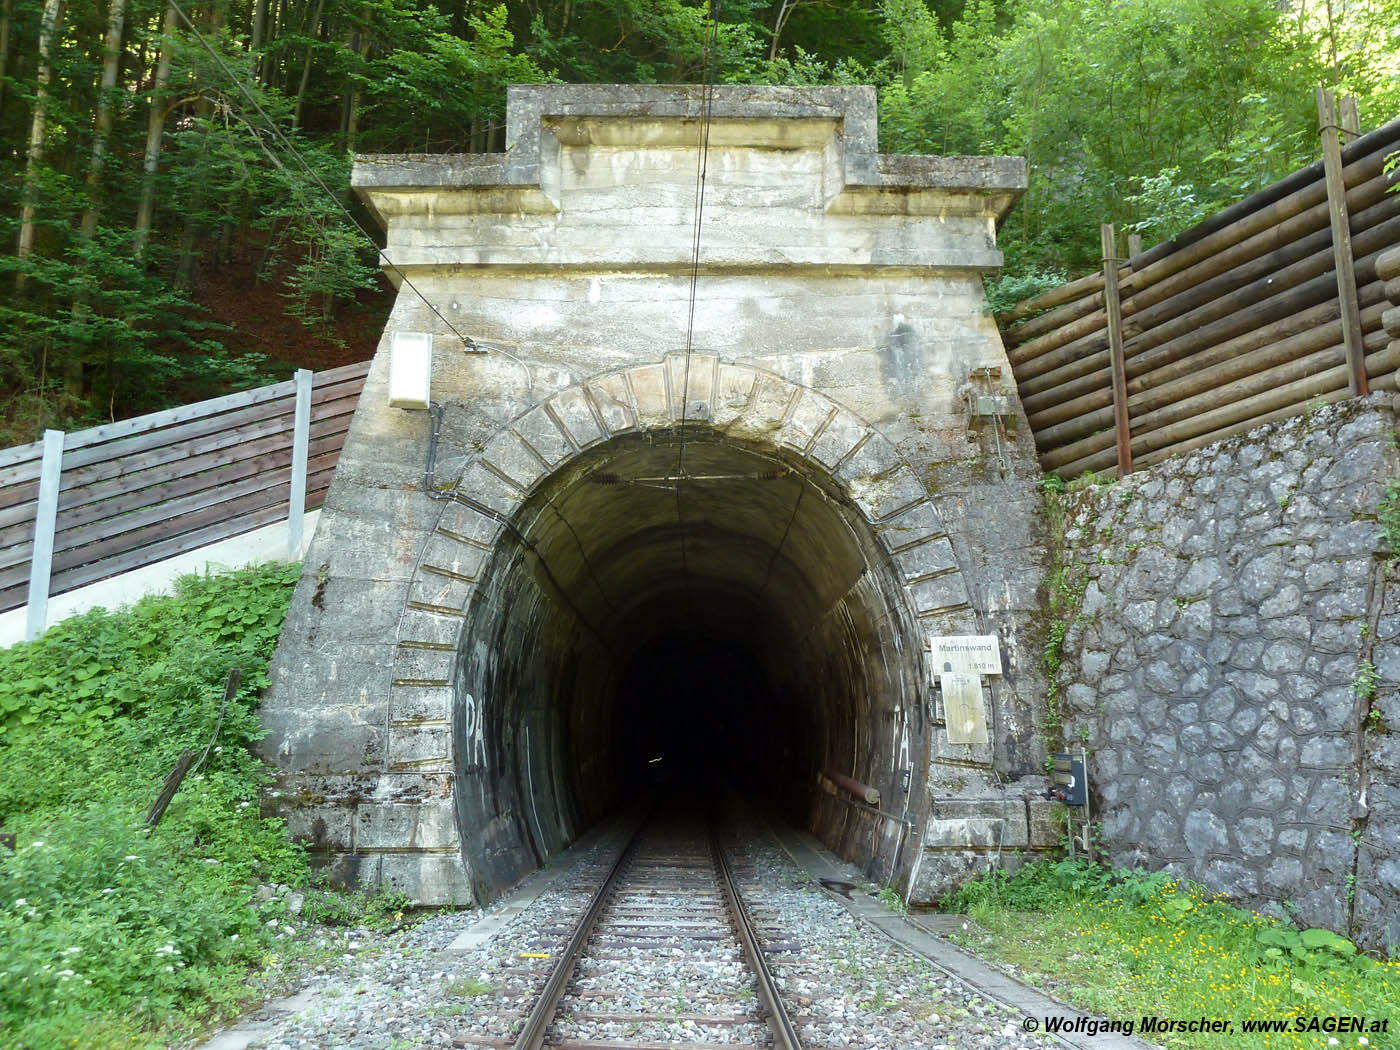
x,y
398,830
967,837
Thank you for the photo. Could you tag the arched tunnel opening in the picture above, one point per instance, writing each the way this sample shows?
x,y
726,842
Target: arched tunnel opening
x,y
685,609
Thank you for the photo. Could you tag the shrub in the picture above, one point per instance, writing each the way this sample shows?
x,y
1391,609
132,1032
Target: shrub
x,y
110,929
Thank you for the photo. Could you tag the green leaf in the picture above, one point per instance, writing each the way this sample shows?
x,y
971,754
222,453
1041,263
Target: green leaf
x,y
1327,939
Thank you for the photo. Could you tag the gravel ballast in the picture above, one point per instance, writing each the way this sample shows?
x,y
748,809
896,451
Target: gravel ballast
x,y
438,984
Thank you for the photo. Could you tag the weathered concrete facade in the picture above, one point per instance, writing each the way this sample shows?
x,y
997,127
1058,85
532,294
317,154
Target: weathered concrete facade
x,y
730,556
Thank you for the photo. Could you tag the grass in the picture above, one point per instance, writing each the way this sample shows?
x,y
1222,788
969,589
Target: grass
x,y
467,988
890,898
113,934
1124,944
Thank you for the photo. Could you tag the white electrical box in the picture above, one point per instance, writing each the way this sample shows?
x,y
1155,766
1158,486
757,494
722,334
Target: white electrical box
x,y
410,370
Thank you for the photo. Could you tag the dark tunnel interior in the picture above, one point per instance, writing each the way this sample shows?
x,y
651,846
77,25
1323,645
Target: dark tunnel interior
x,y
681,609
660,744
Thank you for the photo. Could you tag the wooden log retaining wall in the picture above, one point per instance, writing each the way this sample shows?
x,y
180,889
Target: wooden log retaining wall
x,y
138,491
1267,307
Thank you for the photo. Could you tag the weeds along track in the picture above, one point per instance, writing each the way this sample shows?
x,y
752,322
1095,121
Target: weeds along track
x,y
660,951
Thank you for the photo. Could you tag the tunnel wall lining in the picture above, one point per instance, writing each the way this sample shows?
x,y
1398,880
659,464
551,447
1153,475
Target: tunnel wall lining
x,y
739,400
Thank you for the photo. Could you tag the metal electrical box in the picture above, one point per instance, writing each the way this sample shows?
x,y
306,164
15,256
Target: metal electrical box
x,y
986,406
1070,785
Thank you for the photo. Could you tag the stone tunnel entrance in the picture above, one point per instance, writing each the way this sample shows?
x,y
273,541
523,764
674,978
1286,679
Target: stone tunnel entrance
x,y
679,607
465,683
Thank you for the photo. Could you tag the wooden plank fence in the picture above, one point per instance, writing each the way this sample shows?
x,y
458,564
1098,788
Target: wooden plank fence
x,y
82,507
1260,311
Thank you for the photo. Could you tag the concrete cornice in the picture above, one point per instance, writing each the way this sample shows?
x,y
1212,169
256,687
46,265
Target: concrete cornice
x,y
792,167
540,116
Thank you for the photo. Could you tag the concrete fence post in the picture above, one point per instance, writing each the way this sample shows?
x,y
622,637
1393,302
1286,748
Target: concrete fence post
x,y
301,438
45,518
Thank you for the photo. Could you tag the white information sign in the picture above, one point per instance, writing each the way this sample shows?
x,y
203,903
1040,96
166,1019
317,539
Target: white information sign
x,y
962,708
965,654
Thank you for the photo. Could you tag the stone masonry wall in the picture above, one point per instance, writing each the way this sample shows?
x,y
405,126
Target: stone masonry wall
x,y
1230,606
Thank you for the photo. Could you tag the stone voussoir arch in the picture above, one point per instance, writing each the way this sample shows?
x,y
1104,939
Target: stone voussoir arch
x,y
738,400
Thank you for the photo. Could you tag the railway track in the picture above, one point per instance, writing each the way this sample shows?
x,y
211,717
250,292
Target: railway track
x,y
665,956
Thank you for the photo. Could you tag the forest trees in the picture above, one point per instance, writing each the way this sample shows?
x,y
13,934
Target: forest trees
x,y
138,156
1149,114
146,141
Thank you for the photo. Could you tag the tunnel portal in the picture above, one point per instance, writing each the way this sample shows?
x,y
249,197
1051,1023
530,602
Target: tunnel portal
x,y
694,491
676,607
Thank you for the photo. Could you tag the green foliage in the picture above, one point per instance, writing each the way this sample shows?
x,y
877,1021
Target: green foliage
x,y
107,926
1363,682
1008,289
1147,115
1115,938
1388,514
92,668
1275,940
383,909
1086,480
467,988
430,85
890,898
93,318
1166,206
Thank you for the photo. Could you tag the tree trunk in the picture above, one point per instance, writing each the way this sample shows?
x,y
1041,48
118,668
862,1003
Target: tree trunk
x,y
359,42
6,12
204,109
258,39
102,130
314,29
259,28
276,29
155,131
784,13
37,126
111,68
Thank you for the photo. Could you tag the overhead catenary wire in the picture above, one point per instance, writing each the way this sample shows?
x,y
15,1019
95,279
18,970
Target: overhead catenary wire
x,y
701,167
701,164
468,343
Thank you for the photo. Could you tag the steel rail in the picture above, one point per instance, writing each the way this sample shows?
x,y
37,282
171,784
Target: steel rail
x,y
784,1033
532,1035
